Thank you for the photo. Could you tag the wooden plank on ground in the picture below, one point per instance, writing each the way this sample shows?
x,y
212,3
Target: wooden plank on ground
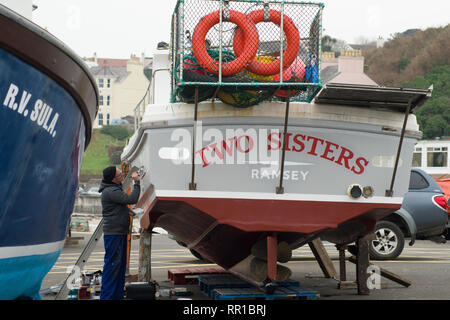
x,y
178,276
322,257
388,275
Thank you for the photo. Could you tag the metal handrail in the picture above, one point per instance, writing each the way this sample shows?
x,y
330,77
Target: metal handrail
x,y
150,93
137,109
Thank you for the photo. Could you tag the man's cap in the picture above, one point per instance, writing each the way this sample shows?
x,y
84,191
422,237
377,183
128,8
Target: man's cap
x,y
109,174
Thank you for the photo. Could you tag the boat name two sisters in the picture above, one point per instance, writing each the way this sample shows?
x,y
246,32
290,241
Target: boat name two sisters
x,y
42,114
263,147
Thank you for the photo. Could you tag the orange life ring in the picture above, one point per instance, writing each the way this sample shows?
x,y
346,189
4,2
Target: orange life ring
x,y
250,41
293,43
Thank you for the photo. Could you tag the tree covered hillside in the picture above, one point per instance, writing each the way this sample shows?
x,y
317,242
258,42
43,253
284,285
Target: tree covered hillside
x,y
434,115
418,60
407,56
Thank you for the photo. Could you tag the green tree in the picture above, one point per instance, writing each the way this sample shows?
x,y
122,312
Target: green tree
x,y
434,115
404,63
436,126
327,43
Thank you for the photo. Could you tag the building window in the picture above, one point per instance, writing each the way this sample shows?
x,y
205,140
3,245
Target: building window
x,y
100,119
108,117
437,157
100,83
108,100
100,102
417,158
108,83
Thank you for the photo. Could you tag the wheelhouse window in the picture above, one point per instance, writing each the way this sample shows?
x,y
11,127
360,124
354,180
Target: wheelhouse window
x,y
437,157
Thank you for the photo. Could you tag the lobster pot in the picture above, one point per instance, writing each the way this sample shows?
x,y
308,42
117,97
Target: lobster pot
x,y
244,52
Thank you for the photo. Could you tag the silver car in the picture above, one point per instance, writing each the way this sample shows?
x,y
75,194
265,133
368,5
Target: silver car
x,y
423,215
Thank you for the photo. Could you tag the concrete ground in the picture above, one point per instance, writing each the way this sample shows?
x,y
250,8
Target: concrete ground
x,y
425,264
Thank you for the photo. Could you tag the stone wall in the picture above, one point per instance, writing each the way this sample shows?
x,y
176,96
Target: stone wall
x,y
88,204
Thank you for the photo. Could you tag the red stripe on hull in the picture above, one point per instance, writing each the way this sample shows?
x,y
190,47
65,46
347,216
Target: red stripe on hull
x,y
224,230
253,215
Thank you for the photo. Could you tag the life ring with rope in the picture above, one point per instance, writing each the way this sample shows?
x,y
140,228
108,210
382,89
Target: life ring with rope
x,y
289,55
250,43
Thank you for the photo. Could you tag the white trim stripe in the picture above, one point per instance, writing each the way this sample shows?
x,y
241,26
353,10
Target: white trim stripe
x,y
31,250
274,196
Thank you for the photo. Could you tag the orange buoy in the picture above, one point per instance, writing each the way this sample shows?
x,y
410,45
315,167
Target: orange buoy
x,y
250,42
289,55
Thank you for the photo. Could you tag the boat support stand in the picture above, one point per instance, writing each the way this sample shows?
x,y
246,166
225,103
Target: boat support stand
x,y
280,188
390,192
192,184
363,267
272,238
271,284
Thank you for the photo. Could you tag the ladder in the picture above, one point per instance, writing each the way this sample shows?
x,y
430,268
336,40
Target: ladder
x,y
92,243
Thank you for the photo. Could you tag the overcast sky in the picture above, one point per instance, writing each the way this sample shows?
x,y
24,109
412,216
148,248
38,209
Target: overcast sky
x,y
118,28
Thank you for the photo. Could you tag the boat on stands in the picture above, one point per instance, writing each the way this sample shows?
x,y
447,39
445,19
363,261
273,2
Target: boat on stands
x,y
246,167
48,103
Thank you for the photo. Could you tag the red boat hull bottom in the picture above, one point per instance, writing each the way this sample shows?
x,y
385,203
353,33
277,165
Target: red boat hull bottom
x,y
224,230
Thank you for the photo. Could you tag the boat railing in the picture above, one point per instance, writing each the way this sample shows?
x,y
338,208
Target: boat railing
x,y
148,98
140,107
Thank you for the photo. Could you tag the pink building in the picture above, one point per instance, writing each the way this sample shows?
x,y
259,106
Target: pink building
x,y
348,68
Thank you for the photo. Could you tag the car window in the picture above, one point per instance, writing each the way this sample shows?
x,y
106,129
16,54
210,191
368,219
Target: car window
x,y
417,181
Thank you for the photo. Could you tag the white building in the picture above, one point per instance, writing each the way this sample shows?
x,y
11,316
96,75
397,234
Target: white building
x,y
432,156
122,83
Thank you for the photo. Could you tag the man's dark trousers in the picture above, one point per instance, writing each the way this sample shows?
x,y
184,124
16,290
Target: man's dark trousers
x,y
113,276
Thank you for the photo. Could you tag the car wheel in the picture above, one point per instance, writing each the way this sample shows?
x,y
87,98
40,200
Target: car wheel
x,y
389,243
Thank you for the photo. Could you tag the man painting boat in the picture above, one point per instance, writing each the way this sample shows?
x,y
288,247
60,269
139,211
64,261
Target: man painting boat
x,y
116,215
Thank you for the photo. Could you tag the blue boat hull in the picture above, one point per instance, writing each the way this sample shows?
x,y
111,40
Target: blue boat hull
x,y
22,276
42,140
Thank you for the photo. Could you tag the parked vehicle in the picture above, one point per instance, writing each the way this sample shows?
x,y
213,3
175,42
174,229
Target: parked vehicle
x,y
447,236
93,191
423,216
116,122
80,191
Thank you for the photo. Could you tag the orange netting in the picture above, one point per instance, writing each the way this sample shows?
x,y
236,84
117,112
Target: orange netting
x,y
445,185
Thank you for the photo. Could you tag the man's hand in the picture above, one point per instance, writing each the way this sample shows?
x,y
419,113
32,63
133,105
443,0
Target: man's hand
x,y
135,176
